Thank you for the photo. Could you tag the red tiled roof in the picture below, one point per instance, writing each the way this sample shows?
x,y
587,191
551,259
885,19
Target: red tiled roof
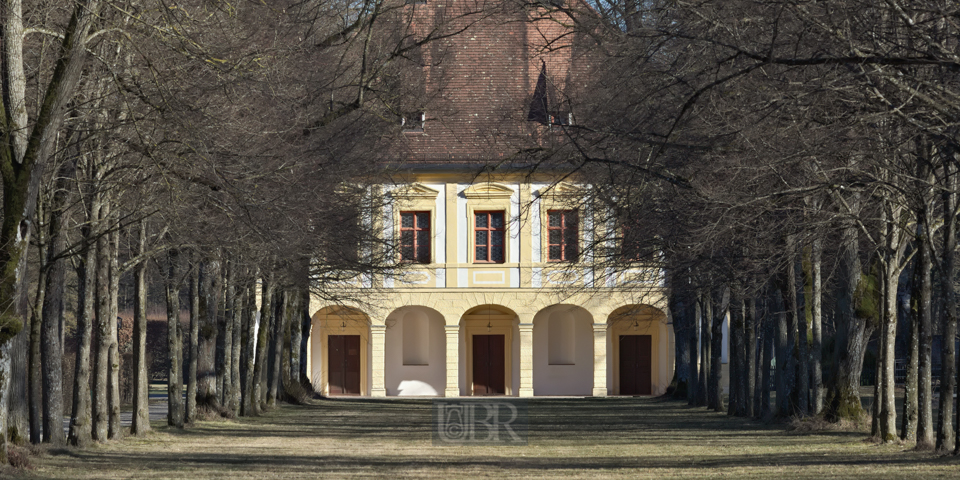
x,y
478,84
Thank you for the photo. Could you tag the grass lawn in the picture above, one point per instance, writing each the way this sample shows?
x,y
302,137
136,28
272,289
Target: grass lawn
x,y
574,438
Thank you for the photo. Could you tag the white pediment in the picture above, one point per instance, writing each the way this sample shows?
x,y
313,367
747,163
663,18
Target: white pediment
x,y
488,190
416,190
562,189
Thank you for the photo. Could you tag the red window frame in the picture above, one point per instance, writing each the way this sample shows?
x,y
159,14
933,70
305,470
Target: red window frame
x,y
420,250
568,234
490,229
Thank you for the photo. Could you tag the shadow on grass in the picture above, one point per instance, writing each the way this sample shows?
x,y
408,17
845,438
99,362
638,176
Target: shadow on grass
x,y
157,463
389,437
555,422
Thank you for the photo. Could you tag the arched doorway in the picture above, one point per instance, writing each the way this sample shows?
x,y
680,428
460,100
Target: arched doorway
x,y
638,345
490,344
340,353
415,352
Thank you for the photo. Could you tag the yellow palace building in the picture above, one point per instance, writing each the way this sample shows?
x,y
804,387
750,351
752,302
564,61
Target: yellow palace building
x,y
494,292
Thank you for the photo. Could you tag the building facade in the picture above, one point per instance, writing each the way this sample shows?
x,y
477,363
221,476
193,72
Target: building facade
x,y
495,290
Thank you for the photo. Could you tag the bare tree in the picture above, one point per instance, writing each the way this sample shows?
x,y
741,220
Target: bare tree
x,y
172,283
24,152
141,394
81,420
947,436
194,292
209,282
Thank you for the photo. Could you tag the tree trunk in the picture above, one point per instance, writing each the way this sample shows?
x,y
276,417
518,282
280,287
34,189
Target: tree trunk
x,y
36,327
191,410
877,395
736,364
884,423
783,351
52,310
925,432
720,309
276,347
18,424
290,307
81,421
796,398
803,355
843,394
946,437
693,342
225,379
101,410
908,425
886,363
260,364
766,385
305,323
759,386
51,354
705,342
750,352
115,432
249,405
816,299
678,314
23,153
4,396
237,321
140,424
296,335
207,336
174,342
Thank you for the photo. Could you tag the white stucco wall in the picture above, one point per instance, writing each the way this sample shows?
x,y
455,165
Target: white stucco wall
x,y
414,380
575,379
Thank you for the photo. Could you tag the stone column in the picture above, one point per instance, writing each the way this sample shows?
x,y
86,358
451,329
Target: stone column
x,y
526,359
599,359
453,360
378,336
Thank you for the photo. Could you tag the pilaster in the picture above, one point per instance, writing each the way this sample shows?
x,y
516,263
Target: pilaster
x,y
453,360
526,360
377,344
452,225
599,359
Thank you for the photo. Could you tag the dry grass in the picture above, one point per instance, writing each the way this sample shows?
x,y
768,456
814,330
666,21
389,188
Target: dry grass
x,y
573,438
816,424
19,456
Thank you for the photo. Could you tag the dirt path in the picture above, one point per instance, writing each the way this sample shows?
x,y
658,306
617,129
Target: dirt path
x,y
573,438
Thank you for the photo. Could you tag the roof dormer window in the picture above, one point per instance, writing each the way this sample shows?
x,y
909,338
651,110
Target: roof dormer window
x,y
413,123
560,118
543,109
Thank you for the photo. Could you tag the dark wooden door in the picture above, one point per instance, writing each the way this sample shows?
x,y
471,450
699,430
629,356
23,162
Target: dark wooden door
x,y
343,356
636,377
488,365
